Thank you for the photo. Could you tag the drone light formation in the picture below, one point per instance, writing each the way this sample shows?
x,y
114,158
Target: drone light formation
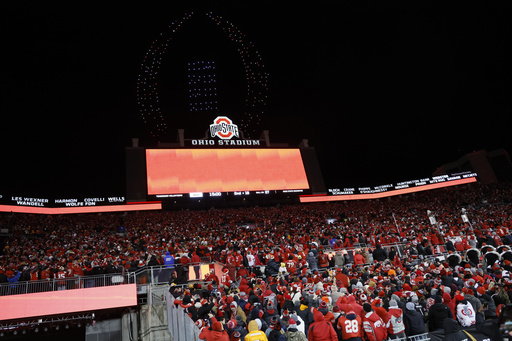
x,y
254,70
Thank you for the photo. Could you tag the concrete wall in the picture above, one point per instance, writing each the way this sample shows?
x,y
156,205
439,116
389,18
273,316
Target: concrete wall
x,y
108,330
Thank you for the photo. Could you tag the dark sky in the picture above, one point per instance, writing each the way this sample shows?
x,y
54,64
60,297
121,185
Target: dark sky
x,y
383,92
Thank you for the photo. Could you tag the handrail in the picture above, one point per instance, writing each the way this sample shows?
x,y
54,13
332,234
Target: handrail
x,y
146,275
68,283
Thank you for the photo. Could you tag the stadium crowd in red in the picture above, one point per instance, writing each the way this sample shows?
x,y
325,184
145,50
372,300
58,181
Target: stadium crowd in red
x,y
367,290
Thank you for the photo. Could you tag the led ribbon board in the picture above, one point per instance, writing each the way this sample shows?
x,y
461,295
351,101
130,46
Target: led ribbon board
x,y
175,171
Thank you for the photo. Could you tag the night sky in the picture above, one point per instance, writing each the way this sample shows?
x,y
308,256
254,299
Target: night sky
x,y
384,92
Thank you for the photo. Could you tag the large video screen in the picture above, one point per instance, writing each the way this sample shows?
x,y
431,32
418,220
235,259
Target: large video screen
x,y
176,171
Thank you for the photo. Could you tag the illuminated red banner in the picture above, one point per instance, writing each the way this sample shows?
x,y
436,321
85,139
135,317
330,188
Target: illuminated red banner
x,y
175,171
67,301
86,209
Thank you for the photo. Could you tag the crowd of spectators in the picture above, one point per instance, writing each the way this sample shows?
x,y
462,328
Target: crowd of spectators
x,y
287,274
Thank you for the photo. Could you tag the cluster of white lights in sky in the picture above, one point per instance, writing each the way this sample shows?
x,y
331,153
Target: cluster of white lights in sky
x,y
202,90
254,70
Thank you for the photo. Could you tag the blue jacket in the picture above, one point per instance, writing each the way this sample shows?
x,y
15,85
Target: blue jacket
x,y
168,260
15,278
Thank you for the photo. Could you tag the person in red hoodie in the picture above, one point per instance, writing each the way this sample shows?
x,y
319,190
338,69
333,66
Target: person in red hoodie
x,y
447,299
379,309
356,307
321,330
340,276
373,325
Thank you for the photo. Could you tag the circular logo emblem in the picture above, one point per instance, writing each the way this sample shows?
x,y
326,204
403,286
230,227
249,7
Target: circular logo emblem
x,y
223,128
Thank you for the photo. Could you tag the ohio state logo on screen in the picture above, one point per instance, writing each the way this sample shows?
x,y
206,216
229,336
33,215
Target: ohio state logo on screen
x,y
223,128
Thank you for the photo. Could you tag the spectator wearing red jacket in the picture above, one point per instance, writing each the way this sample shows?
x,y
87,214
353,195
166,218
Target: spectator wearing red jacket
x,y
351,326
196,260
356,307
373,325
447,299
225,280
239,259
215,333
321,330
323,261
359,258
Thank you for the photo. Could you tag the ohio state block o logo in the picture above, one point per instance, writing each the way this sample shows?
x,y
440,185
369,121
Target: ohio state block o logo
x,y
223,128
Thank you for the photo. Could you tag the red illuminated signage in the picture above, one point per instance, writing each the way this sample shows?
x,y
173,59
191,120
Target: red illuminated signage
x,y
174,171
67,301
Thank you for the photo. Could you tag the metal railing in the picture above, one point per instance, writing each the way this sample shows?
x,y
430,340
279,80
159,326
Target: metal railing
x,y
181,326
69,283
153,275
142,277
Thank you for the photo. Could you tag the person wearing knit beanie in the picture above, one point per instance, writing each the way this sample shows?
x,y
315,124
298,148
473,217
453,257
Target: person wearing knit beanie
x,y
236,336
231,324
217,326
274,330
216,332
395,325
413,320
292,324
292,333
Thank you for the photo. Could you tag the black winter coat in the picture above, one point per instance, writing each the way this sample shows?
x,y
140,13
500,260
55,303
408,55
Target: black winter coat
x,y
272,268
437,314
414,323
379,254
452,331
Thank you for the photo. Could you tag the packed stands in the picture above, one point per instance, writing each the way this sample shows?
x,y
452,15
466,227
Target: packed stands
x,y
364,261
